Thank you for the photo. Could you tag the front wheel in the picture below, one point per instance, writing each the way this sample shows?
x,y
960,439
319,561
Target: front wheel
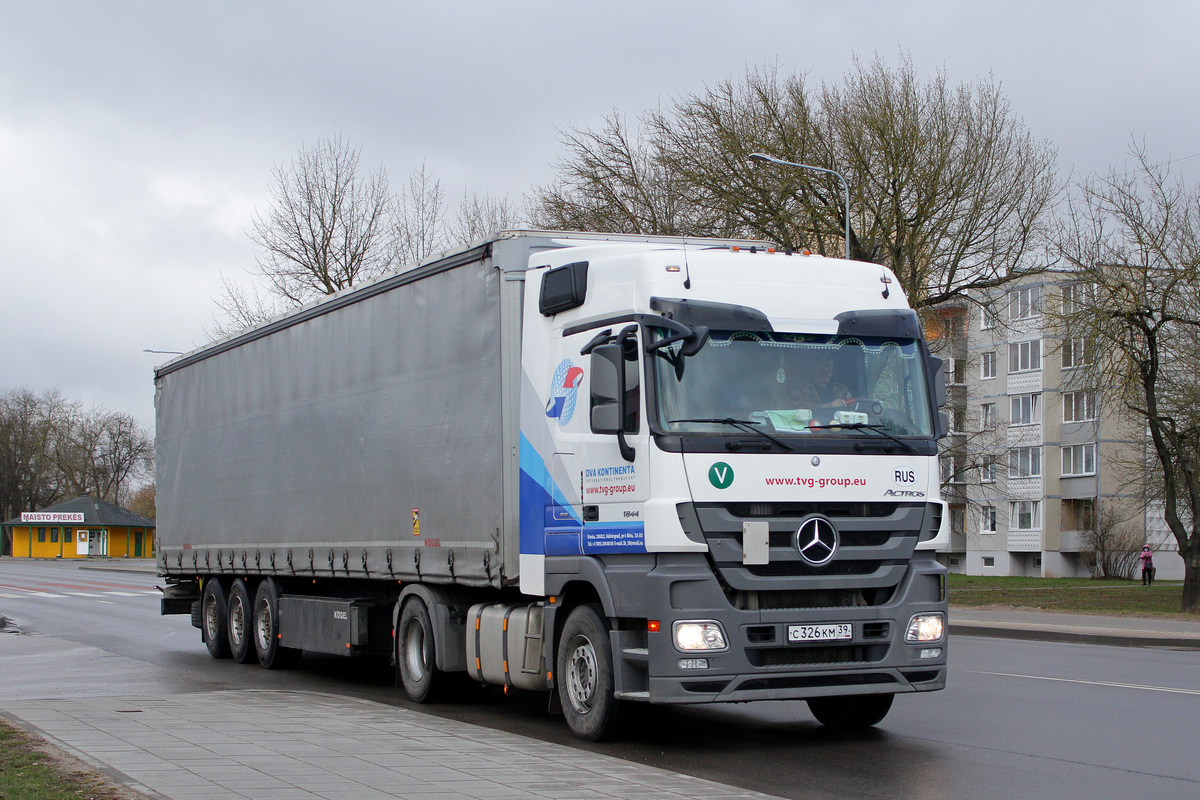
x,y
851,713
415,655
584,675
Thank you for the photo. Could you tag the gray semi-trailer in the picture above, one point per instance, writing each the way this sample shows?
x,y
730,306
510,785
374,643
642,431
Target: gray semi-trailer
x,y
617,468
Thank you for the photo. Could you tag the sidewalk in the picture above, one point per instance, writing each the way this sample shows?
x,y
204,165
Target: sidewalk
x,y
1047,626
257,745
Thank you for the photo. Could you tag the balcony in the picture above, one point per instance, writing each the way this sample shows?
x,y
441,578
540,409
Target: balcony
x,y
1072,541
1024,541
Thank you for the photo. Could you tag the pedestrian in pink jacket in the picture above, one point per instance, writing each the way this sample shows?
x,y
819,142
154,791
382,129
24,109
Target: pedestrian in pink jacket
x,y
1147,556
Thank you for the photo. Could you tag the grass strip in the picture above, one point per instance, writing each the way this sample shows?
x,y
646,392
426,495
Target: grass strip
x,y
32,769
1073,595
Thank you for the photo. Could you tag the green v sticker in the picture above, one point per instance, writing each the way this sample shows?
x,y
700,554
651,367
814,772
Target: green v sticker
x,y
720,475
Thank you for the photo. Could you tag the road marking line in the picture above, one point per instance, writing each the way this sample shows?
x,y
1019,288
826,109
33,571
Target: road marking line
x,y
126,594
46,594
13,596
83,594
1093,683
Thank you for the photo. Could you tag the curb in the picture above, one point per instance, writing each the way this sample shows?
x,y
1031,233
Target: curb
x,y
1070,635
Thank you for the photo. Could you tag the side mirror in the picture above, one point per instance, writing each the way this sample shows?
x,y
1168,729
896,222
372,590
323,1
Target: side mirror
x,y
943,425
938,367
608,375
608,394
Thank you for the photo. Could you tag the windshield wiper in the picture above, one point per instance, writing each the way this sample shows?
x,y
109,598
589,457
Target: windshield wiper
x,y
743,424
863,426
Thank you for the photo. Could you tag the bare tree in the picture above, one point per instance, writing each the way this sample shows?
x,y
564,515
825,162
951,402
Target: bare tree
x,y
947,187
481,215
28,477
421,221
101,453
327,228
142,500
1111,543
1134,237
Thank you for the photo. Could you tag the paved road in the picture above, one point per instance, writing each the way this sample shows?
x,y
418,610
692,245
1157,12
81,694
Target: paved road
x,y
1019,719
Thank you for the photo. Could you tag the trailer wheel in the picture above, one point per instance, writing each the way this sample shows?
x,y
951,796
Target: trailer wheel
x,y
584,675
415,658
851,713
239,622
214,618
264,629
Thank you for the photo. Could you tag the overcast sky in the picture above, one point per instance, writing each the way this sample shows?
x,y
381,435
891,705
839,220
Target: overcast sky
x,y
137,138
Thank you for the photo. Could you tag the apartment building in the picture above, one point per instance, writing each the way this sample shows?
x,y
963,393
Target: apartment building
x,y
1034,456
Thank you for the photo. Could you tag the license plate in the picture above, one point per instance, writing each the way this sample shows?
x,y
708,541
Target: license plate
x,y
835,632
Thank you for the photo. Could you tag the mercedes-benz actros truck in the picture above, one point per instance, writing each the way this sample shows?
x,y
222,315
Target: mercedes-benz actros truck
x,y
617,469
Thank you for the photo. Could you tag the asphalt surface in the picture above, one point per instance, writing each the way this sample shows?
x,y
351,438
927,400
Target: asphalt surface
x,y
311,744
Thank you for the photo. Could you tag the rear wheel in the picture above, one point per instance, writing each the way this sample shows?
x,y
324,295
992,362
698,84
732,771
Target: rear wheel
x,y
239,622
851,713
584,675
264,629
214,619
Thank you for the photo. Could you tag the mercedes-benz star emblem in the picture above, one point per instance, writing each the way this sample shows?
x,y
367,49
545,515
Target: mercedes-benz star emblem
x,y
817,541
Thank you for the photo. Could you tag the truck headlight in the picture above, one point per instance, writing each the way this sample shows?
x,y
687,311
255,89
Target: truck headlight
x,y
700,635
925,627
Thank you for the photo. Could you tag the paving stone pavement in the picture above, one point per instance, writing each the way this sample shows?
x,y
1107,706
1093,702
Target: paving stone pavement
x,y
279,745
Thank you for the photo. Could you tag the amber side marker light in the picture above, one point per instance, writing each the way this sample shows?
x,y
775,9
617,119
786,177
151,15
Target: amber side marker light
x,y
653,626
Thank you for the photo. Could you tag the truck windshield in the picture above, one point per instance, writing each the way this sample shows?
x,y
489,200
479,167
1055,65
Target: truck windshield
x,y
791,384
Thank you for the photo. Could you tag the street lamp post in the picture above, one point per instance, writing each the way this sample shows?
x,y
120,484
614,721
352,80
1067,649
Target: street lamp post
x,y
763,157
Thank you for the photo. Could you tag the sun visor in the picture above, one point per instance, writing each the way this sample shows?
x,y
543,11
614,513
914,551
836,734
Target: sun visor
x,y
893,323
714,316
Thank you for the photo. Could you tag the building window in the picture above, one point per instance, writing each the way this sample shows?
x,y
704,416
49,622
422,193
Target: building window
x,y
1079,406
1025,356
956,371
988,366
1077,296
956,325
987,319
987,470
1079,459
54,535
1025,515
41,535
989,561
1078,513
1025,462
1026,409
953,561
1025,303
958,519
67,535
1076,353
987,417
988,517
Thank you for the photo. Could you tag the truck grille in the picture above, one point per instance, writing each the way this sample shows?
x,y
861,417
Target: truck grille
x,y
876,543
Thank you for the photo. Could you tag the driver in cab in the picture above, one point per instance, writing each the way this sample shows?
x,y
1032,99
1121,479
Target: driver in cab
x,y
819,389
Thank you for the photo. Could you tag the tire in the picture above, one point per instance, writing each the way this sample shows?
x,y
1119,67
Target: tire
x,y
264,629
416,662
851,713
214,619
239,622
584,675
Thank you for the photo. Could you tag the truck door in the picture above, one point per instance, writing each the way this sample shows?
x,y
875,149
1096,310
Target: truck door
x,y
616,446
